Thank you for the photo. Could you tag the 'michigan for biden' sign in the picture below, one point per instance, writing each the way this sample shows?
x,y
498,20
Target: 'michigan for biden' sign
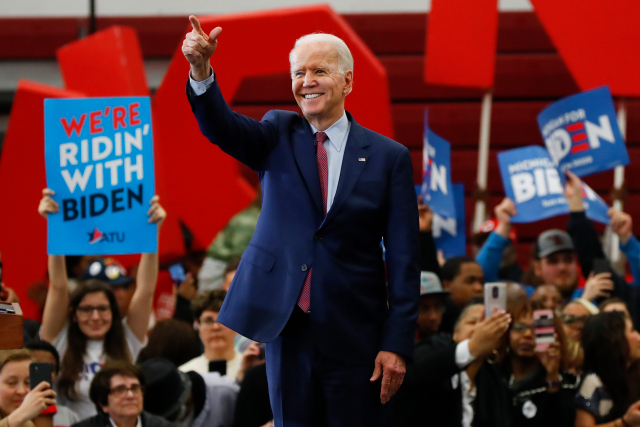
x,y
99,162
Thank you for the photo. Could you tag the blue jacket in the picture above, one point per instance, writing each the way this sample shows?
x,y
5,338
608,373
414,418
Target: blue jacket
x,y
354,313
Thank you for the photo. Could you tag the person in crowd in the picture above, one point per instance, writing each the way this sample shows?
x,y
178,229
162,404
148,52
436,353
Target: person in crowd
x,y
431,306
547,296
526,387
230,273
438,387
43,351
574,314
463,278
19,405
622,225
615,304
227,246
428,251
86,327
173,340
117,392
188,399
610,392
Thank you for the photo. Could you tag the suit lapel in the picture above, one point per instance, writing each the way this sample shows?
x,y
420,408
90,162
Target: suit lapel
x,y
352,165
304,152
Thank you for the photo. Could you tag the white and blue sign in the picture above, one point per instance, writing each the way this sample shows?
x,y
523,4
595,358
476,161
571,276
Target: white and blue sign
x,y
437,190
595,208
532,181
450,234
99,162
581,133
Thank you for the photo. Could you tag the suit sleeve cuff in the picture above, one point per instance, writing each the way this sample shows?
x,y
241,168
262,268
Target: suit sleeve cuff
x,y
463,355
201,87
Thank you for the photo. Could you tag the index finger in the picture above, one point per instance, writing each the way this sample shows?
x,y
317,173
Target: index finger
x,y
48,192
195,24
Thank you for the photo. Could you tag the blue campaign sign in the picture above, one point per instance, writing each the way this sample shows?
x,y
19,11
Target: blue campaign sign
x,y
99,162
450,234
437,190
532,181
595,208
581,133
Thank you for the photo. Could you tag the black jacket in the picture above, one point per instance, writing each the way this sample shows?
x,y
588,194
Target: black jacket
x,y
501,402
146,419
427,396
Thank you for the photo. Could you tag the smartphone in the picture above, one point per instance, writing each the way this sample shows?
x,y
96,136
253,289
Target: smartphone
x,y
601,265
176,271
219,366
6,308
38,372
544,329
495,297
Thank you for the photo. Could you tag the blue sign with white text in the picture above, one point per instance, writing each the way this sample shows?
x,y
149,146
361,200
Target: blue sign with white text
x,y
99,162
533,183
581,133
450,234
595,208
437,190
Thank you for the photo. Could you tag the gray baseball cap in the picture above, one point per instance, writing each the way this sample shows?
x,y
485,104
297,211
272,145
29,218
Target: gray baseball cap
x,y
430,285
552,241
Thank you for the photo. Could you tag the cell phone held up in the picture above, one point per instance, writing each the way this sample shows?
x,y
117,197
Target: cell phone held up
x,y
544,329
495,298
39,372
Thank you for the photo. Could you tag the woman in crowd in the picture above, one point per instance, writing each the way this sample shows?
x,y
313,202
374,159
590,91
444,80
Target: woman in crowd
x,y
610,391
615,304
18,405
526,387
86,327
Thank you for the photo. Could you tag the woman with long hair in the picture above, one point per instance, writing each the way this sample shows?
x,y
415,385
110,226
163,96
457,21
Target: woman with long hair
x,y
526,387
18,404
609,394
86,327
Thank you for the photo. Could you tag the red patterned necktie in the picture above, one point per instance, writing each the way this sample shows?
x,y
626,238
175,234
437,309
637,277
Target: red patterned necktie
x,y
304,301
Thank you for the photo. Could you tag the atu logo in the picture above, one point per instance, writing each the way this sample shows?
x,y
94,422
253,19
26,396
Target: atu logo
x,y
578,137
110,236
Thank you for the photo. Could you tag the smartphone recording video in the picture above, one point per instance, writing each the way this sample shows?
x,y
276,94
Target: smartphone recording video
x,y
544,329
495,298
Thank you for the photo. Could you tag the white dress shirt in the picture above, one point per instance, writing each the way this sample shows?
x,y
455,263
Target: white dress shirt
x,y
335,144
463,358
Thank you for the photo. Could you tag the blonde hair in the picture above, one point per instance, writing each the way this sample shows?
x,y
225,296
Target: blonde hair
x,y
7,356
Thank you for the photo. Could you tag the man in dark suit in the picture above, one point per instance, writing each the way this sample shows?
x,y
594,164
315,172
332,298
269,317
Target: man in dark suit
x,y
311,284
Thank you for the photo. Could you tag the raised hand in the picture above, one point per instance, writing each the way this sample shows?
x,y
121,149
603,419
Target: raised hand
x,y
198,47
392,368
425,216
598,285
156,212
504,211
621,224
632,417
550,359
573,193
487,334
47,204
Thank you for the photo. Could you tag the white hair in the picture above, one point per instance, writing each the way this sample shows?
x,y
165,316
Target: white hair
x,y
345,60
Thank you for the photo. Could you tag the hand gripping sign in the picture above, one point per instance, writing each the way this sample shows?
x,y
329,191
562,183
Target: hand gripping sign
x,y
582,134
99,162
450,234
437,190
536,186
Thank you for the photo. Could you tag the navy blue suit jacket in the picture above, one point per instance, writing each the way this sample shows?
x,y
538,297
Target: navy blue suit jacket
x,y
354,314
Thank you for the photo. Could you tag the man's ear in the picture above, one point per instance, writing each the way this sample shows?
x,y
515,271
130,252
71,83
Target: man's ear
x,y
348,87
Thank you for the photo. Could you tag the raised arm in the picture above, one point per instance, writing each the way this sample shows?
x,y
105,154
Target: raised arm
x,y
146,279
490,255
57,303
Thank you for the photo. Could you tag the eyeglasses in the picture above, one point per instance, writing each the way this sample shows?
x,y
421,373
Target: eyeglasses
x,y
88,309
521,327
570,319
208,321
121,390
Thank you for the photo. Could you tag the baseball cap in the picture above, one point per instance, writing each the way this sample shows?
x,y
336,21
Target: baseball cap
x,y
430,284
109,271
552,241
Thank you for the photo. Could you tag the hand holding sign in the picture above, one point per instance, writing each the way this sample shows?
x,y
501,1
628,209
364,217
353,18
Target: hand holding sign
x,y
47,204
573,193
156,213
198,47
621,224
504,211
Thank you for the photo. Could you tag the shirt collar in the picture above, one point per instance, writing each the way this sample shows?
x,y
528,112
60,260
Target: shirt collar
x,y
336,132
113,424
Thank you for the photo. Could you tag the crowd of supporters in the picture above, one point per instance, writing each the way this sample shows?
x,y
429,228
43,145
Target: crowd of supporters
x,y
114,365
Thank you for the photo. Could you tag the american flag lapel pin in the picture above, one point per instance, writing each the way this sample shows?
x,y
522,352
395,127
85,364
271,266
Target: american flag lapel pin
x,y
361,159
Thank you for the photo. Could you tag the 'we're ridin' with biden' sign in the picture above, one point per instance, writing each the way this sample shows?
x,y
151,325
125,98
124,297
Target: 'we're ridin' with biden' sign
x,y
99,162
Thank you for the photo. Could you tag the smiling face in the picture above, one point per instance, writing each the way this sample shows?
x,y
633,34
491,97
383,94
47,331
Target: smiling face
x,y
14,385
94,315
318,85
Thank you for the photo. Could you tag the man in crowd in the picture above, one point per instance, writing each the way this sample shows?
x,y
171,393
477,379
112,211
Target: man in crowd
x,y
431,305
463,278
311,283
